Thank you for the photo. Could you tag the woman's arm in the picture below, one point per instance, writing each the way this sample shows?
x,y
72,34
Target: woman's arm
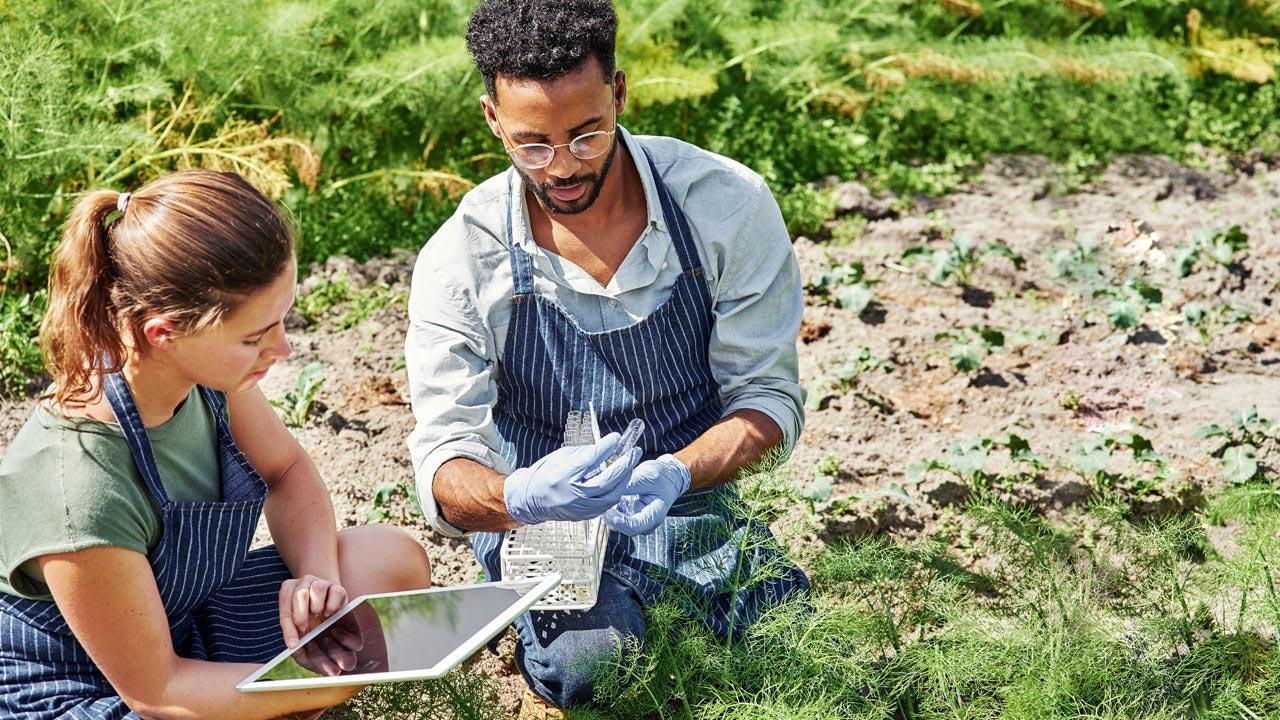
x,y
298,510
109,598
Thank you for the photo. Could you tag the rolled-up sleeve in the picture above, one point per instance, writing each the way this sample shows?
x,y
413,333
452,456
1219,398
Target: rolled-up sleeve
x,y
450,363
758,306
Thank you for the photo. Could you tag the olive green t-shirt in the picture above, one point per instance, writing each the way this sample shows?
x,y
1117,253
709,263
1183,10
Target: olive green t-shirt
x,y
69,484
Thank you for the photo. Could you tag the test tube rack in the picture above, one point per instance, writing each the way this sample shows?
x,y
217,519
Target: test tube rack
x,y
574,549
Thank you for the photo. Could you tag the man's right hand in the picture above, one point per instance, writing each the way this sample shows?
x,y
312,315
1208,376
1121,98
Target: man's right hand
x,y
556,487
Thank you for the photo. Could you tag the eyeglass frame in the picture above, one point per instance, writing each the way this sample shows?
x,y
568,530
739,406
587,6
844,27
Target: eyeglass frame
x,y
554,148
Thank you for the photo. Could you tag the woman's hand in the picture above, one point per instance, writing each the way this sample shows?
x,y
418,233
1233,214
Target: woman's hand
x,y
304,602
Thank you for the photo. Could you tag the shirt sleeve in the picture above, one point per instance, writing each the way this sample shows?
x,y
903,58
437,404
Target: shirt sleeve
x,y
451,363
758,304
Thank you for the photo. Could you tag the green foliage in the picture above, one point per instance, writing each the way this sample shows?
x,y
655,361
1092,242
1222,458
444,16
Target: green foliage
x,y
971,346
1091,460
807,209
358,303
1218,246
1080,263
1240,441
1130,302
845,285
19,352
388,497
841,379
967,461
297,404
961,260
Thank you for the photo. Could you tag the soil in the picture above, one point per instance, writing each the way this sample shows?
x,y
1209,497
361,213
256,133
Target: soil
x,y
1070,374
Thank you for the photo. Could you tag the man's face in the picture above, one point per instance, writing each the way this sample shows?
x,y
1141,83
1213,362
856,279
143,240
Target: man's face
x,y
554,113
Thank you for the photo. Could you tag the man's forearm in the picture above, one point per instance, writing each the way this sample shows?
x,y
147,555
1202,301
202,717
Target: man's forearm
x,y
470,497
738,440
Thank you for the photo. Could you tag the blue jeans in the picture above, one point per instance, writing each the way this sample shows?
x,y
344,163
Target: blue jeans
x,y
559,651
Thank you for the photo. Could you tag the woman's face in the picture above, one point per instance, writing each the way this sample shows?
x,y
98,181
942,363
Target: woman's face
x,y
236,353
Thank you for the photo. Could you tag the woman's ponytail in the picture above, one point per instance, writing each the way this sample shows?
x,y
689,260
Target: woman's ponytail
x,y
79,335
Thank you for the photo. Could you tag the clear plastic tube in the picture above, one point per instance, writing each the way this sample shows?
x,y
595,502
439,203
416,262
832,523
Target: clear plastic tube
x,y
630,437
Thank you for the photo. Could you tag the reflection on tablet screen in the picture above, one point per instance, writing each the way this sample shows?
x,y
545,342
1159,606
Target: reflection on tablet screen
x,y
399,632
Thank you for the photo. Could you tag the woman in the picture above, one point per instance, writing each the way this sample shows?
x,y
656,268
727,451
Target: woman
x,y
129,499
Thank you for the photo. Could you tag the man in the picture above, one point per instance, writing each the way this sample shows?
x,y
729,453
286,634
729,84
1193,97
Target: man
x,y
642,275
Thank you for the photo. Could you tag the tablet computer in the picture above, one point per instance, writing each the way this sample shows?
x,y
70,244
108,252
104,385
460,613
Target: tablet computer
x,y
409,635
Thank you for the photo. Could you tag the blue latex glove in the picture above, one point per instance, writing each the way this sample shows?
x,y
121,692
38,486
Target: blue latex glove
x,y
655,485
555,487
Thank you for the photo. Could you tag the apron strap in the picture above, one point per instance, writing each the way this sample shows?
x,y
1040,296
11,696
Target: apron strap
x,y
135,434
681,235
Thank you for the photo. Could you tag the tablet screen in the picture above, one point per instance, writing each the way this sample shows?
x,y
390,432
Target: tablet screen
x,y
401,632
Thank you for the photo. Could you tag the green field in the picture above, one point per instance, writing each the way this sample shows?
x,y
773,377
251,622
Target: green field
x,y
362,119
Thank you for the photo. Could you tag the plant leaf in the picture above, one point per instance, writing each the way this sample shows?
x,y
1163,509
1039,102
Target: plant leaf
x,y
1239,463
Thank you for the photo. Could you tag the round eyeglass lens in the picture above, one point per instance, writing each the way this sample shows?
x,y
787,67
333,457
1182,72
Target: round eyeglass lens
x,y
591,145
534,156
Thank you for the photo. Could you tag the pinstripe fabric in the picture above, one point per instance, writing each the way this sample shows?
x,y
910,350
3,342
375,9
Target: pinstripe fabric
x,y
220,598
722,568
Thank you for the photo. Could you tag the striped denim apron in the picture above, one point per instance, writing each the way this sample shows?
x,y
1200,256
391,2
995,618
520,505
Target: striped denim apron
x,y
221,600
723,568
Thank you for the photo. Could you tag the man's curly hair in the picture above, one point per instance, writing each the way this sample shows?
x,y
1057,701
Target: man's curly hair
x,y
540,39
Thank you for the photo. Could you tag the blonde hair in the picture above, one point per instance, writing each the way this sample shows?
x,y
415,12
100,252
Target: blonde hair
x,y
190,245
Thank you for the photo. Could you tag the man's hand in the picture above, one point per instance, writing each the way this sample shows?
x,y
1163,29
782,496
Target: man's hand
x,y
655,485
557,487
304,602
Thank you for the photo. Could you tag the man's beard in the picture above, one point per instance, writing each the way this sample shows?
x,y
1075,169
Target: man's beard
x,y
595,184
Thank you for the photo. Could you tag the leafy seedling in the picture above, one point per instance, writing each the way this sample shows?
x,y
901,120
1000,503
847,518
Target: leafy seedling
x,y
1218,246
971,346
1242,438
967,462
297,403
1079,263
1205,318
1091,461
842,379
844,285
961,260
1130,302
385,495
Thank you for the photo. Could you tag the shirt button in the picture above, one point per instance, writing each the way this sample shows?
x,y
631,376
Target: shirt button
x,y
613,302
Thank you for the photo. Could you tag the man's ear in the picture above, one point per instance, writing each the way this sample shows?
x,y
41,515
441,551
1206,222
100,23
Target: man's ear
x,y
620,91
490,115
160,333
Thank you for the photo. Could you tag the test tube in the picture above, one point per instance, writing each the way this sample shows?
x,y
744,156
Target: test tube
x,y
629,438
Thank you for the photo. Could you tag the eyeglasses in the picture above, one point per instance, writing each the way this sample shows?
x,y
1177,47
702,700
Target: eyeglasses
x,y
535,156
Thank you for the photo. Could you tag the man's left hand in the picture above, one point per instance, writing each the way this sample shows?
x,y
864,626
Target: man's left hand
x,y
654,487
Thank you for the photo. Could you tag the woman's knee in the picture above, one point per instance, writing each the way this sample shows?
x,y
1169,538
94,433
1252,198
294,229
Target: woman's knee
x,y
384,556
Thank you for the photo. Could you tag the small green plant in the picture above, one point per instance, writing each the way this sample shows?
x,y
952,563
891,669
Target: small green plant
x,y
1091,460
970,347
843,378
19,352
1218,246
845,285
1241,440
961,260
1079,263
297,404
825,474
385,496
1069,400
1130,302
1205,319
967,462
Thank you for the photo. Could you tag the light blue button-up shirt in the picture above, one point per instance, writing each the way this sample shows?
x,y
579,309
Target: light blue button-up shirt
x,y
460,303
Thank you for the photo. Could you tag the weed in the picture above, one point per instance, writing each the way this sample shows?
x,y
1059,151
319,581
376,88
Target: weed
x,y
806,209
1069,400
19,352
1080,263
848,230
357,303
961,260
297,404
1206,319
845,285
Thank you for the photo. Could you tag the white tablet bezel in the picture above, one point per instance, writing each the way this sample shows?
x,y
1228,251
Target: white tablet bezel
x,y
542,586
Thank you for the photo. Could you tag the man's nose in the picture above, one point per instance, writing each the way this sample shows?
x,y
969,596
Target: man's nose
x,y
564,165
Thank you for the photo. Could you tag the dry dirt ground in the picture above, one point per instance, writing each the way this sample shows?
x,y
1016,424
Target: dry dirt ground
x,y
1067,373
